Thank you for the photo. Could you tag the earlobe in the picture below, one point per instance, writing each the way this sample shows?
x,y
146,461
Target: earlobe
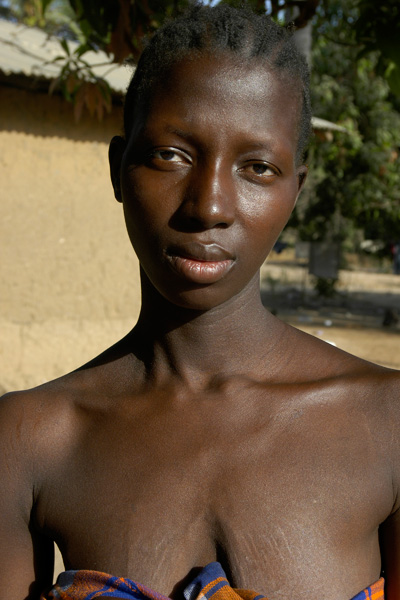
x,y
115,154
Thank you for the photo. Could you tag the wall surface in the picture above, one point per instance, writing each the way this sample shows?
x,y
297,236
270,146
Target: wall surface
x,y
69,284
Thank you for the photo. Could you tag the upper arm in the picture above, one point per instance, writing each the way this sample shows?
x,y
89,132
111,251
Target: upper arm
x,y
390,530
26,557
390,551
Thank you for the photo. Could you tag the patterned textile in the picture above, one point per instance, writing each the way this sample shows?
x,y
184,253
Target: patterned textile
x,y
210,584
373,592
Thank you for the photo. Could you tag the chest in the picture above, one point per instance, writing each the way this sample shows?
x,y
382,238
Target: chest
x,y
152,498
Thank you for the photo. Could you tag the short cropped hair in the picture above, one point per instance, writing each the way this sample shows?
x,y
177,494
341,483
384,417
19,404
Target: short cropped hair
x,y
220,28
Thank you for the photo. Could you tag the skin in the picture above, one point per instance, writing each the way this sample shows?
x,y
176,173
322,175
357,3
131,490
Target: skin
x,y
213,431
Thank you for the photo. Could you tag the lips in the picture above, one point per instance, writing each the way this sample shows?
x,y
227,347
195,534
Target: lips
x,y
200,263
199,251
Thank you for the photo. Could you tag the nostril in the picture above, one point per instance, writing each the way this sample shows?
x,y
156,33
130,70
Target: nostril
x,y
181,222
196,220
208,200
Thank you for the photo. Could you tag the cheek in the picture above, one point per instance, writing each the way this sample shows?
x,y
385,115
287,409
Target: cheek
x,y
265,221
150,198
142,207
271,210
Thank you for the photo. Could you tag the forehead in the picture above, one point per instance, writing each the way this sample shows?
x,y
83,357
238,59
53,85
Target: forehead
x,y
246,94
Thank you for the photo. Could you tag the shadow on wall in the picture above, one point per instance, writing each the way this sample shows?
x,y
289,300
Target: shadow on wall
x,y
41,114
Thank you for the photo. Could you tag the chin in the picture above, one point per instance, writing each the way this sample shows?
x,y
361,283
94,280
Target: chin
x,y
187,295
207,298
200,300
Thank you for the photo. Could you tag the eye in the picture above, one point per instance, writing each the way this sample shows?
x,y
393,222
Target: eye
x,y
167,155
263,169
259,171
168,159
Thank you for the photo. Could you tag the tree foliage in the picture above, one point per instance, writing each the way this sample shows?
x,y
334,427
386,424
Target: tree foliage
x,y
377,28
120,27
117,27
354,185
56,17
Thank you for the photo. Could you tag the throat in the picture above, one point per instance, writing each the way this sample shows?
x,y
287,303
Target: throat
x,y
206,351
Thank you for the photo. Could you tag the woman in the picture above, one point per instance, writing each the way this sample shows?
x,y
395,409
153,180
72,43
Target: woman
x,y
213,431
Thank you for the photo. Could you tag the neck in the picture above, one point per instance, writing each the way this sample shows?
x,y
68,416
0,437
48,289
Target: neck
x,y
197,347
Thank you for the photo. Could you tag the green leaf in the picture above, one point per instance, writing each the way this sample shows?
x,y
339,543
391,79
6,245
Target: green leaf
x,y
394,79
65,47
45,4
85,47
389,44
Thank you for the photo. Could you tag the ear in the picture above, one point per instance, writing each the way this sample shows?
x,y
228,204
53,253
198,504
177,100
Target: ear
x,y
302,173
115,154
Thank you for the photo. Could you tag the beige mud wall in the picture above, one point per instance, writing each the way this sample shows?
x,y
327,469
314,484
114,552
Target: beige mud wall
x,y
69,284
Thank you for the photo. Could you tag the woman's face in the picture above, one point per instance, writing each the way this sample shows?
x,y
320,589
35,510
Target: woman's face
x,y
209,180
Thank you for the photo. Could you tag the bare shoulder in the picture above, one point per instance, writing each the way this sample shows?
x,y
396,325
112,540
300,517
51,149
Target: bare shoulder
x,y
26,444
349,381
47,419
315,359
40,430
35,428
364,390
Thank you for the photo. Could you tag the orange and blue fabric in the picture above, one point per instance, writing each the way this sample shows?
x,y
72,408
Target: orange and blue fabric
x,y
209,584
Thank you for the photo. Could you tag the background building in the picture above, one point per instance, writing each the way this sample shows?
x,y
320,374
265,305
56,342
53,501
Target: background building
x,y
69,284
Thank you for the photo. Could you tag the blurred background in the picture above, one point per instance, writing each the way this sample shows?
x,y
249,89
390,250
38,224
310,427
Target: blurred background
x,y
69,284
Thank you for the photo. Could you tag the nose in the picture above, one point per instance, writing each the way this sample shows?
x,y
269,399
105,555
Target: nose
x,y
209,199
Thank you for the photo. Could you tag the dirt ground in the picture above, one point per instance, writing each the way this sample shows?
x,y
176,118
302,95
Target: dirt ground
x,y
352,319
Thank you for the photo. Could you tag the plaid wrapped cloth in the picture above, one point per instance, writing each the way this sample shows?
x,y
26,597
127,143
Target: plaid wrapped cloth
x,y
210,584
373,592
